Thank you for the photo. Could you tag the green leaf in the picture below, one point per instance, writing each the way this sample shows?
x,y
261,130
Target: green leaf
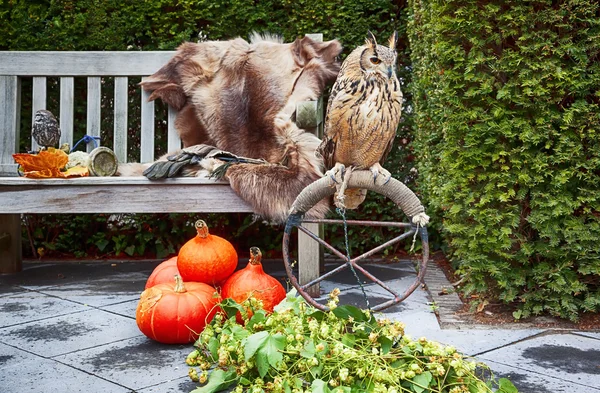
x,y
422,381
262,363
253,343
319,386
386,344
309,349
213,347
348,340
505,386
346,311
218,380
231,307
272,348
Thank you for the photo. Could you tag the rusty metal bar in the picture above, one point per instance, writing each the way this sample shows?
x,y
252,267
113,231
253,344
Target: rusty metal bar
x,y
384,245
365,223
322,242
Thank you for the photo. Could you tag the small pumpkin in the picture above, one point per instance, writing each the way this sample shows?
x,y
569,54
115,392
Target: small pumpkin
x,y
176,314
163,273
206,258
253,281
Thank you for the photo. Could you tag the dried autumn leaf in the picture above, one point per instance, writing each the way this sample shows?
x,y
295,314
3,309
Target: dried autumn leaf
x,y
47,163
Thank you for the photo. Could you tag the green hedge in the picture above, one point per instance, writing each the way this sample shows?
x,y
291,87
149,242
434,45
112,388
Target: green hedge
x,y
507,97
163,25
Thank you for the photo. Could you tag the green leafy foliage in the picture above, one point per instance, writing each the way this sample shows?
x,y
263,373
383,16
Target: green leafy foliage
x,y
507,107
297,348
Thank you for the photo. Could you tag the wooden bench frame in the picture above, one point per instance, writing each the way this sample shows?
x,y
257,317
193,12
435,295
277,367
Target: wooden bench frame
x,y
107,194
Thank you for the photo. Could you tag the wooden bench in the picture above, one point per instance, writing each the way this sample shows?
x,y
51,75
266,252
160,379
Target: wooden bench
x,y
105,194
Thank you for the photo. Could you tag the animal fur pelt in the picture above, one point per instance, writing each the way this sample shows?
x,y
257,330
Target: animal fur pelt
x,y
241,97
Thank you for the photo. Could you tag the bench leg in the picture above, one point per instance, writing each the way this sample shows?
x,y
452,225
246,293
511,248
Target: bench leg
x,y
11,259
310,258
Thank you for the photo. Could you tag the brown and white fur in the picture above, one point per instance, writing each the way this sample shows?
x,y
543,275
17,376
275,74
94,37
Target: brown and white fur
x,y
240,97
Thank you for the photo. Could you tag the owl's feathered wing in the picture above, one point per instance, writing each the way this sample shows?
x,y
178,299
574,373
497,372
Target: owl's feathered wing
x,y
240,97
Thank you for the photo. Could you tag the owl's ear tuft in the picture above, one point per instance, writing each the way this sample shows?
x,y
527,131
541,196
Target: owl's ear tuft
x,y
393,41
370,40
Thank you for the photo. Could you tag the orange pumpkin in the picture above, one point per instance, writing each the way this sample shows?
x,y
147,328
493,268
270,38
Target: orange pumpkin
x,y
206,258
163,273
176,314
253,281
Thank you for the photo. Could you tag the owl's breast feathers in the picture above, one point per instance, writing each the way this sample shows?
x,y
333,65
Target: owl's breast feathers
x,y
362,118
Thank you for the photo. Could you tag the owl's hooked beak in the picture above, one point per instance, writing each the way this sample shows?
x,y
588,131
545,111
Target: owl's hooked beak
x,y
390,72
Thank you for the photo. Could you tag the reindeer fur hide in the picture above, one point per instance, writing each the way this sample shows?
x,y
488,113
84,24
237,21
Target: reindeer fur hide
x,y
241,97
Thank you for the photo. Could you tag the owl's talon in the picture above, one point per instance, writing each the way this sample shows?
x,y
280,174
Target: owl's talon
x,y
380,172
337,173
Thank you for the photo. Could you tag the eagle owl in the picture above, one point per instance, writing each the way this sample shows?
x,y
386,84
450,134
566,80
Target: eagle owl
x,y
363,113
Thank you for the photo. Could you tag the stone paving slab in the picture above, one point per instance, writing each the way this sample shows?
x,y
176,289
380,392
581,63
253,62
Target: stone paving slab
x,y
595,335
572,357
477,341
28,306
180,385
126,309
103,291
55,336
136,363
530,382
37,276
24,372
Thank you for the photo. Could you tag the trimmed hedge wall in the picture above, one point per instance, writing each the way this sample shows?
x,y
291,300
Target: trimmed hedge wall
x,y
507,103
163,25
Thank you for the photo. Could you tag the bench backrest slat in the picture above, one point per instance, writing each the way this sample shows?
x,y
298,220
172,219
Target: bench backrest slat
x,y
120,120
94,98
39,101
108,63
147,129
67,92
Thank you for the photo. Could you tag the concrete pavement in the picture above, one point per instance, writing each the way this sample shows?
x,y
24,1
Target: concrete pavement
x,y
70,327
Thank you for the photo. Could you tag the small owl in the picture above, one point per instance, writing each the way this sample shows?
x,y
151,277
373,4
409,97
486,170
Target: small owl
x,y
363,113
45,130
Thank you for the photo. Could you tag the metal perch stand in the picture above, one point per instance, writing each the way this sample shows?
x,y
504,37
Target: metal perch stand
x,y
395,190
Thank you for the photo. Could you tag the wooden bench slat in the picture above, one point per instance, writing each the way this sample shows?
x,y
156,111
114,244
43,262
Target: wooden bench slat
x,y
10,104
65,119
39,102
129,195
108,63
147,129
173,140
120,122
94,99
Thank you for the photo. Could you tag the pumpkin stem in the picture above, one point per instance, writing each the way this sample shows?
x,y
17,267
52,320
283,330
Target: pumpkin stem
x,y
255,256
201,228
179,287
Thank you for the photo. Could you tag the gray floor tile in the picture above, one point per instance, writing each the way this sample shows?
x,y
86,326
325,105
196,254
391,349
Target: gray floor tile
x,y
529,382
126,309
475,341
179,385
136,363
595,335
30,306
571,357
24,372
67,333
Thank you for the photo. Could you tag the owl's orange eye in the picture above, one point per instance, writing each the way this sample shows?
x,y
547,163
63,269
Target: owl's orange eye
x,y
375,60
